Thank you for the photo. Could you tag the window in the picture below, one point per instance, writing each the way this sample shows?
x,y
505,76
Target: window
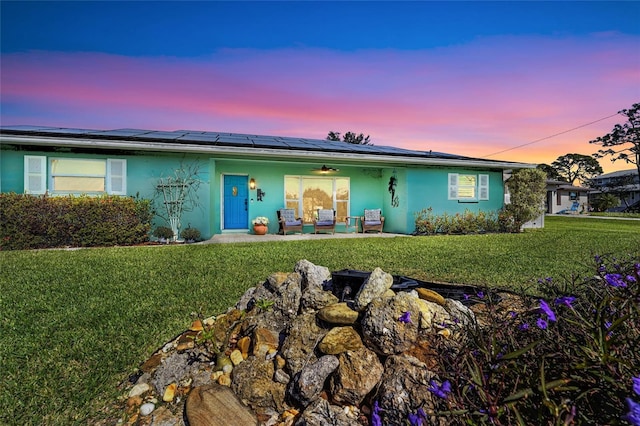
x,y
468,187
308,194
74,175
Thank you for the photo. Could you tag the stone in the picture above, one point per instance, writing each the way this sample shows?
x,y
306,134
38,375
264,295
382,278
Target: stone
x,y
147,408
252,382
460,313
432,315
313,276
236,357
381,329
308,384
321,413
164,417
217,406
196,326
431,296
338,313
375,286
340,339
298,348
265,340
314,298
243,345
403,387
170,393
139,389
357,374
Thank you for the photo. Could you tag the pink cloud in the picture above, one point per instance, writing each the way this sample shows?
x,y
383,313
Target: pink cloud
x,y
474,99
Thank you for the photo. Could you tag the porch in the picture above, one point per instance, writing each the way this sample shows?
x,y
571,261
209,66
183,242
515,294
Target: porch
x,y
250,238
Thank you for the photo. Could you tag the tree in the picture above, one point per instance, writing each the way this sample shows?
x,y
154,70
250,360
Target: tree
x,y
349,137
551,173
178,194
623,142
604,201
579,167
528,190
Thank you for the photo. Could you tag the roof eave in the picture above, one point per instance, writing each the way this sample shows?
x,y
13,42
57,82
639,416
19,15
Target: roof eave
x,y
255,152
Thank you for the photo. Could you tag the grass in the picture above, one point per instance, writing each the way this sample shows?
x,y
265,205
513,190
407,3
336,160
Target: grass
x,y
76,323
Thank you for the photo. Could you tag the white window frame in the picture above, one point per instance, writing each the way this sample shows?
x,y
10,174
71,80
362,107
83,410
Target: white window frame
x,y
481,189
300,200
115,184
39,174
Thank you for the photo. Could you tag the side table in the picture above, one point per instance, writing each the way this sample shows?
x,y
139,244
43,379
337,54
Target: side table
x,y
350,221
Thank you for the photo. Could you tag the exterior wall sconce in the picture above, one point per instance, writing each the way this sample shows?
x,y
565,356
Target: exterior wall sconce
x,y
260,194
252,183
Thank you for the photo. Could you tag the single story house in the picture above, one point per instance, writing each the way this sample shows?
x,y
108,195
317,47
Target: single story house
x,y
562,197
244,176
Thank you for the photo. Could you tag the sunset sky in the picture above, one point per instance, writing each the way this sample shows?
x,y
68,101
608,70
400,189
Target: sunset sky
x,y
494,80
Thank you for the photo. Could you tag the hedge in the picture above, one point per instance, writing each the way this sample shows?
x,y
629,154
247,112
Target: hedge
x,y
32,222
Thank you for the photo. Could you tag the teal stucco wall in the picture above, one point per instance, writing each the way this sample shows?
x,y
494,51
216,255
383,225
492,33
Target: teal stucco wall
x,y
416,187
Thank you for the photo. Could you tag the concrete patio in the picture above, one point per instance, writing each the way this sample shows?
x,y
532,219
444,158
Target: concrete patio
x,y
233,237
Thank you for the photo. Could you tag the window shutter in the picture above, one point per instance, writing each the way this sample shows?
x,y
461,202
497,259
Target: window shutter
x,y
453,186
483,187
116,176
35,174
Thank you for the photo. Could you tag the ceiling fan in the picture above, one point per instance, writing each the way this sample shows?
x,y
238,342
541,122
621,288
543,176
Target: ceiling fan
x,y
324,169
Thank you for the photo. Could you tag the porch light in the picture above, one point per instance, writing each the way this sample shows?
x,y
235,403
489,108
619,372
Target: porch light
x,y
252,183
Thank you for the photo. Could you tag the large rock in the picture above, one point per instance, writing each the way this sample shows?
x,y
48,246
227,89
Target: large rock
x,y
338,313
375,286
313,276
358,373
403,388
340,339
216,405
314,299
308,384
382,329
252,381
321,413
298,348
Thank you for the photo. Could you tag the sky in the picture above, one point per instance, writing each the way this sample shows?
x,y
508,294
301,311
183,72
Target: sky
x,y
511,80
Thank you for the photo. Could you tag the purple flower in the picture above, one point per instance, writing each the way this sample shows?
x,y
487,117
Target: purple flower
x,y
524,326
441,391
422,414
414,420
513,314
565,300
480,294
405,318
375,415
631,279
542,324
636,385
633,416
547,310
615,280
466,296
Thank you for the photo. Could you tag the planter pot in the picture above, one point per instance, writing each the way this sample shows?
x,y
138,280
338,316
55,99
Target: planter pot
x,y
260,229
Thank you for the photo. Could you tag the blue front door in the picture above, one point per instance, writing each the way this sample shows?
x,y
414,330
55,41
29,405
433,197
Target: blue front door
x,y
236,201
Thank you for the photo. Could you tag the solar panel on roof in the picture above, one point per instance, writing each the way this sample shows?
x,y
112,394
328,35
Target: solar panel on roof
x,y
271,142
199,138
162,135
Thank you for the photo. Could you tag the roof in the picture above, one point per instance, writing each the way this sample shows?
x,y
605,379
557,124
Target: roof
x,y
617,174
566,186
234,144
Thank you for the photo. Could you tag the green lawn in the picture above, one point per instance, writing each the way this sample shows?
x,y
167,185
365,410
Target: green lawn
x,y
75,323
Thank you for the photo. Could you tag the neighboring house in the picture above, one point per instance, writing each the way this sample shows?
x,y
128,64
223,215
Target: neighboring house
x,y
624,184
304,174
562,197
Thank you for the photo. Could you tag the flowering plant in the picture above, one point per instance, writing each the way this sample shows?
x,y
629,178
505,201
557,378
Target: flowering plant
x,y
260,220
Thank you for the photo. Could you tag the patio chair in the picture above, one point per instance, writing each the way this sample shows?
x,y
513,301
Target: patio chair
x,y
289,222
372,220
326,221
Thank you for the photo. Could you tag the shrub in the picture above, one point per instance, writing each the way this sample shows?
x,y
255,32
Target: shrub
x,y
190,234
527,189
163,232
30,222
569,357
426,223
